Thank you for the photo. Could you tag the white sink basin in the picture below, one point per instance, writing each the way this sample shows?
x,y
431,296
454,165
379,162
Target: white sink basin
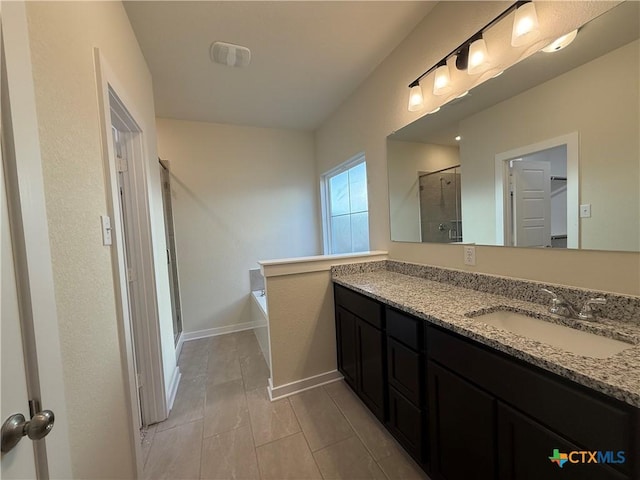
x,y
567,338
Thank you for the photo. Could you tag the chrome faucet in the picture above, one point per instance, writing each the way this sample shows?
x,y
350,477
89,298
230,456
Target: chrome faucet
x,y
560,306
587,312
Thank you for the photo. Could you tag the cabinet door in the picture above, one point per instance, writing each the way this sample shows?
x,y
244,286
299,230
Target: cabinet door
x,y
347,346
462,427
371,362
524,448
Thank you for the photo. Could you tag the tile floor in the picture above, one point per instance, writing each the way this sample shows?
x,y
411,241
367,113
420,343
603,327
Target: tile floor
x,y
223,425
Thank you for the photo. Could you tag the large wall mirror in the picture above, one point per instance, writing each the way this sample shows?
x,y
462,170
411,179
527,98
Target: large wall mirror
x,y
545,155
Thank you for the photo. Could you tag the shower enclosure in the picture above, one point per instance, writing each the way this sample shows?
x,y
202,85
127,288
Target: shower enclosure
x,y
440,206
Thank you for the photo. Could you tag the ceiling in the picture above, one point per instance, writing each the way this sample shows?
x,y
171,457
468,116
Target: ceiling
x,y
307,57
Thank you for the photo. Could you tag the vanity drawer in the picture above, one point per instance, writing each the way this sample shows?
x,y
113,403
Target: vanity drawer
x,y
585,417
404,328
367,309
404,370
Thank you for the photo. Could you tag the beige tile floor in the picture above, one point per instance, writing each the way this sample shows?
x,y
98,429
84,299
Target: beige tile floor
x,y
223,426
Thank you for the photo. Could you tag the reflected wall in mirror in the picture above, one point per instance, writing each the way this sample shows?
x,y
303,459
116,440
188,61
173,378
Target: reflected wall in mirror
x,y
549,152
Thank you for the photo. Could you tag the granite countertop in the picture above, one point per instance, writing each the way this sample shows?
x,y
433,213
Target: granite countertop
x,y
447,306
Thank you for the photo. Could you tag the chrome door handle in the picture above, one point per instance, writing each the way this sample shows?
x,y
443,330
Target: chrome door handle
x,y
16,426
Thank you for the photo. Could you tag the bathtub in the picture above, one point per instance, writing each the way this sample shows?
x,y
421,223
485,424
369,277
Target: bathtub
x,y
260,317
261,299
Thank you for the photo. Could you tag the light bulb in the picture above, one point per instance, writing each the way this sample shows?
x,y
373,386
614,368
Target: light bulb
x,y
442,80
416,100
478,57
525,25
560,43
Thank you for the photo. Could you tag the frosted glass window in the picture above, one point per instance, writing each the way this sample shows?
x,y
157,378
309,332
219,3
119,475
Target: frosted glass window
x,y
360,232
346,208
358,188
339,194
341,234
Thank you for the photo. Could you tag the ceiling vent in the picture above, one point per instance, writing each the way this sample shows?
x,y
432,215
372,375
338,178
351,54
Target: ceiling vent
x,y
229,54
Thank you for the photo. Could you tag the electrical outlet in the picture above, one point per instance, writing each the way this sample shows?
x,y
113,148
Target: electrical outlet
x,y
469,255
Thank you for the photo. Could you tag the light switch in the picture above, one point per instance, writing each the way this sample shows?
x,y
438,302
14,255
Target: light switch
x,y
106,230
585,210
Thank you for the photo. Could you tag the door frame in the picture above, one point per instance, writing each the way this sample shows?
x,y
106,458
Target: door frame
x,y
28,217
114,101
174,279
503,207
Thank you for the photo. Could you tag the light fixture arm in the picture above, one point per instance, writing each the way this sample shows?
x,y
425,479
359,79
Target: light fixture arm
x,y
465,45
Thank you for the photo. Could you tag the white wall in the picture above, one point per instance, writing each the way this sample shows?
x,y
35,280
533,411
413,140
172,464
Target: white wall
x,y
62,36
240,194
379,107
409,158
302,332
609,152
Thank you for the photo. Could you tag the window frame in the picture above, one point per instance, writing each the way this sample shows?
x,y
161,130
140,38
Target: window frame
x,y
325,199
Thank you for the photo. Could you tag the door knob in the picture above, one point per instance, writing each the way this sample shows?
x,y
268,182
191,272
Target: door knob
x,y
16,426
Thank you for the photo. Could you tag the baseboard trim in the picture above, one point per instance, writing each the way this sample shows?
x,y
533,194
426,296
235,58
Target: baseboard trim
x,y
213,332
288,389
179,346
173,388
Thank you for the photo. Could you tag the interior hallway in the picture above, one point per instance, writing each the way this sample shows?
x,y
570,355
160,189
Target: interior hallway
x,y
223,426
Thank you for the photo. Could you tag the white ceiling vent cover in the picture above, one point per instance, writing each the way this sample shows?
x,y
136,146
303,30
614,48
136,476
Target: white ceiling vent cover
x,y
229,54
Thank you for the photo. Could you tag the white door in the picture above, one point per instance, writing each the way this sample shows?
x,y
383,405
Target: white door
x,y
20,461
531,203
32,378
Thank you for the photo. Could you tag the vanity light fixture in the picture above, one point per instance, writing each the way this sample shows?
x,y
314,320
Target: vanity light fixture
x,y
473,55
560,43
442,79
463,94
416,100
478,57
458,138
525,25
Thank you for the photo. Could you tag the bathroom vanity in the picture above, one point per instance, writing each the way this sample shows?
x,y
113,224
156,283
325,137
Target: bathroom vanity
x,y
468,400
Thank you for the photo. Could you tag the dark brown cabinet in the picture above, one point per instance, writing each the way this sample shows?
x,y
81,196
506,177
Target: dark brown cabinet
x,y
361,350
524,448
554,409
370,357
346,336
465,411
404,370
406,423
405,361
462,419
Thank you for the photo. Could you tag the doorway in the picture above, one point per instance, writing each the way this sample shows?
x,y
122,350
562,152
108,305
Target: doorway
x,y
537,194
172,259
125,222
538,199
133,263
